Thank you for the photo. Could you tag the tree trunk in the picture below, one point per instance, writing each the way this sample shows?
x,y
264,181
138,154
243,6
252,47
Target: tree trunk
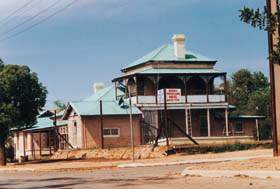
x,y
2,154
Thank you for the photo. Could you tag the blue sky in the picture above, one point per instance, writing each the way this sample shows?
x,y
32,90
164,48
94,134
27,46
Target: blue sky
x,y
91,41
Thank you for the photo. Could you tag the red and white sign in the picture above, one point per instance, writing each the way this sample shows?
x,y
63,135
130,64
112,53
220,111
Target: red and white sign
x,y
172,96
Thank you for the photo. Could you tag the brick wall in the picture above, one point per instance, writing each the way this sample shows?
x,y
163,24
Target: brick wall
x,y
93,136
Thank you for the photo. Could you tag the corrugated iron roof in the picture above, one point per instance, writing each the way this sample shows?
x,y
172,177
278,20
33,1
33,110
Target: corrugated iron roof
x,y
180,71
107,93
85,108
91,105
45,122
166,53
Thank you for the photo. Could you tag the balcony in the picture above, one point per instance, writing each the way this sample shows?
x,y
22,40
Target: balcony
x,y
213,98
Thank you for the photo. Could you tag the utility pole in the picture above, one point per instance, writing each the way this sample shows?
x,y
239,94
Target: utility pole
x,y
274,69
101,125
55,133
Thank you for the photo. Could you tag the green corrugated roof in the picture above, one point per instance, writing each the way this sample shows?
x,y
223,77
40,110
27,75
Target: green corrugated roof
x,y
45,122
166,53
91,106
179,71
107,93
85,108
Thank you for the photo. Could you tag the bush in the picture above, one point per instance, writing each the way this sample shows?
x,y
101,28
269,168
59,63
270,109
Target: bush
x,y
265,130
218,149
10,153
247,146
229,147
203,150
238,146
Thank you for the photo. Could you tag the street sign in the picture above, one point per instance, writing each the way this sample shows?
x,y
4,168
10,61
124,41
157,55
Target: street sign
x,y
172,96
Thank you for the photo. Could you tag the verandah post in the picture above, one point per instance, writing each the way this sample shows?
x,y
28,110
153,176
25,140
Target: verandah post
x,y
165,120
208,122
226,116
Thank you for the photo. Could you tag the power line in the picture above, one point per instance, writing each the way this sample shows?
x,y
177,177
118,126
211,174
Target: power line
x,y
32,18
41,21
21,12
16,11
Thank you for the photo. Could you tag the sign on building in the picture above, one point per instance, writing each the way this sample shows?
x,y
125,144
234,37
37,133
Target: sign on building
x,y
172,96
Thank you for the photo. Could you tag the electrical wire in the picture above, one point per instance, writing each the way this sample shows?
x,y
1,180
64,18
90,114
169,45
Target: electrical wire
x,y
21,12
32,18
16,11
40,22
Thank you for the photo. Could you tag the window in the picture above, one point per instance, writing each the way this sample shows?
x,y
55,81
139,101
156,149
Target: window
x,y
75,128
114,132
238,127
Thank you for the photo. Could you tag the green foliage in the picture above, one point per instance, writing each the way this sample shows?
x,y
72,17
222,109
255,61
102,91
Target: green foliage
x,y
59,105
259,102
21,98
218,149
264,21
265,130
229,147
203,150
238,146
250,93
260,19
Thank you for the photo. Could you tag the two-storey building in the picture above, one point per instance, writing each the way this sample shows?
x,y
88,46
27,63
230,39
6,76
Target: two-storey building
x,y
201,109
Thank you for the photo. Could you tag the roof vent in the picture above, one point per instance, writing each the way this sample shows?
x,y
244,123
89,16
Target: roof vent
x,y
97,87
179,45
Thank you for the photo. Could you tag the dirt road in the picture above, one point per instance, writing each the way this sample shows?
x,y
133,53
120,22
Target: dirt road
x,y
146,177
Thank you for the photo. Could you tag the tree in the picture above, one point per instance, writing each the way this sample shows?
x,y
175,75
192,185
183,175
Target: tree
x,y
60,106
264,20
241,87
22,96
248,91
268,20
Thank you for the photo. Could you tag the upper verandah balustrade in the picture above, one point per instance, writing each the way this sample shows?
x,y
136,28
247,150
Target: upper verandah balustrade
x,y
195,88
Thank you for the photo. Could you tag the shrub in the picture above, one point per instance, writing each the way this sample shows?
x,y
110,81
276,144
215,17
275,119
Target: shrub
x,y
10,153
218,149
238,146
247,146
203,150
230,147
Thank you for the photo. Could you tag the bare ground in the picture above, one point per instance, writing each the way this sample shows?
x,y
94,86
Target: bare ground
x,y
98,163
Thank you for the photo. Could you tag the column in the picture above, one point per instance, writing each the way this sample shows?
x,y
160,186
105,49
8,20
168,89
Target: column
x,y
24,151
40,143
208,122
187,121
226,116
225,88
257,128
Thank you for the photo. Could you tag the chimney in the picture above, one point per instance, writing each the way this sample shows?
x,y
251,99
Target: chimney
x,y
98,87
179,45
